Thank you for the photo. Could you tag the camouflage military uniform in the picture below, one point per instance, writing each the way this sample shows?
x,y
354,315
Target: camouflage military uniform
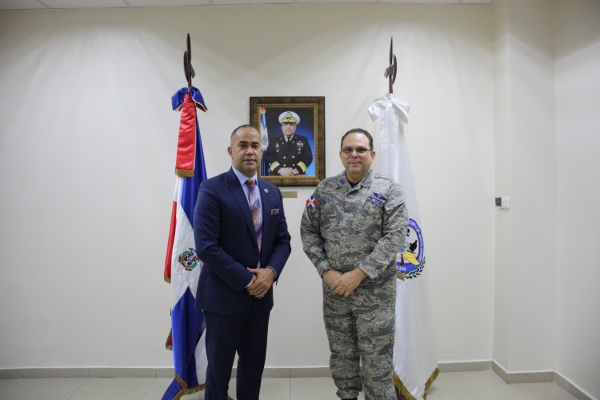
x,y
344,228
294,153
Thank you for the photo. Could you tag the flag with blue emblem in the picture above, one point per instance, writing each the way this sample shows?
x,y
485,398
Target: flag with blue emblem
x,y
415,355
182,266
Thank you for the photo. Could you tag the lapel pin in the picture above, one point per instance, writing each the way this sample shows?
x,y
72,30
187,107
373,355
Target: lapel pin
x,y
266,191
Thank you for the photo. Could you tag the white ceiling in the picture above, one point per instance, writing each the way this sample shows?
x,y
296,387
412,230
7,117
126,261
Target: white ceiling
x,y
73,4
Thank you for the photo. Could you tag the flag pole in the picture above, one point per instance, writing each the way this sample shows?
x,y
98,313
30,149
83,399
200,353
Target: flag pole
x,y
182,266
390,71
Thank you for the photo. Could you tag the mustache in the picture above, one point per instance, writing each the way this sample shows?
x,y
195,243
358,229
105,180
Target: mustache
x,y
250,158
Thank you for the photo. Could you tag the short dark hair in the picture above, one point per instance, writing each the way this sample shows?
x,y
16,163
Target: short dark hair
x,y
358,130
240,127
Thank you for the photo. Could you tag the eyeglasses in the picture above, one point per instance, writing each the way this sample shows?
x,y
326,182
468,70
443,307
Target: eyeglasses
x,y
361,151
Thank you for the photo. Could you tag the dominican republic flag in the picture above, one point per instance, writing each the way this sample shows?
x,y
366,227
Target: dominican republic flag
x,y
264,137
182,266
415,356
311,202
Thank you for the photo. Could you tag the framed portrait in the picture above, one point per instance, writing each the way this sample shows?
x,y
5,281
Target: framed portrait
x,y
292,130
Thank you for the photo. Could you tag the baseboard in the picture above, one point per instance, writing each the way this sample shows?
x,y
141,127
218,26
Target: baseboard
x,y
296,372
464,366
30,373
522,377
542,376
571,388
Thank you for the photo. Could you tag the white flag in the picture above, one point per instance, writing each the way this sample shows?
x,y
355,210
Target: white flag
x,y
415,356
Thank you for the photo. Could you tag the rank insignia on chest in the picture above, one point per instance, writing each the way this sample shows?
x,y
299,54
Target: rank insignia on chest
x,y
311,202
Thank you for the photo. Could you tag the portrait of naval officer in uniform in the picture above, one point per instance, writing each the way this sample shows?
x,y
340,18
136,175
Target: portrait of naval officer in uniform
x,y
288,154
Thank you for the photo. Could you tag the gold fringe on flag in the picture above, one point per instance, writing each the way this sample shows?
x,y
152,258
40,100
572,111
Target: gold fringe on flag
x,y
184,173
405,393
169,341
184,388
432,378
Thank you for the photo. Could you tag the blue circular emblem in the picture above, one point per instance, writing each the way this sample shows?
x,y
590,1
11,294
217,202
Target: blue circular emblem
x,y
411,259
188,259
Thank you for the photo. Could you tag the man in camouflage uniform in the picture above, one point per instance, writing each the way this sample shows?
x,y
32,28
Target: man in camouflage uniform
x,y
288,154
352,229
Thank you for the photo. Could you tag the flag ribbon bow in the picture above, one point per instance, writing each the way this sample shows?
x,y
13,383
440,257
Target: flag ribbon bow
x,y
386,102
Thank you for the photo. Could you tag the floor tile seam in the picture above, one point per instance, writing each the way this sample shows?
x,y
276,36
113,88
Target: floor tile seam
x,y
79,388
148,388
17,381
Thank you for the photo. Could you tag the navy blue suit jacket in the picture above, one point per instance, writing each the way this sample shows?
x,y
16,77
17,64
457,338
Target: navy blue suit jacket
x,y
226,242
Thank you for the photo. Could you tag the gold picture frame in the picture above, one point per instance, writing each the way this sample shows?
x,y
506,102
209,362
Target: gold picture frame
x,y
266,115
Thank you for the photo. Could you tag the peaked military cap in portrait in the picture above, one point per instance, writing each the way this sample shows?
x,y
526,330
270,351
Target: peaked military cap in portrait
x,y
289,117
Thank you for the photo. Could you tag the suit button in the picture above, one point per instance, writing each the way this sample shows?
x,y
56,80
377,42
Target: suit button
x,y
256,250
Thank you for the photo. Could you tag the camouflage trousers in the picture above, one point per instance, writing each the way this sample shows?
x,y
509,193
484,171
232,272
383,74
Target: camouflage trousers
x,y
360,329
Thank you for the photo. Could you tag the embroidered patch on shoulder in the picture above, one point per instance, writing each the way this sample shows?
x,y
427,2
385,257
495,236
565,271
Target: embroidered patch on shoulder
x,y
377,199
311,202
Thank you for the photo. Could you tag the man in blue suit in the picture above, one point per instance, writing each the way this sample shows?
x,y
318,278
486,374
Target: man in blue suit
x,y
242,238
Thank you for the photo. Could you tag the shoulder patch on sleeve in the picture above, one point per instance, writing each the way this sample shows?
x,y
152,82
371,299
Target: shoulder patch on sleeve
x,y
311,202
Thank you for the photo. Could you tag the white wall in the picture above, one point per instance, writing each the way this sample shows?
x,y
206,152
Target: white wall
x,y
526,267
503,173
547,90
87,147
577,75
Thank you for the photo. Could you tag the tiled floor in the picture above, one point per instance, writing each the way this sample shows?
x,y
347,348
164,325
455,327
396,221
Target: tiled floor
x,y
482,385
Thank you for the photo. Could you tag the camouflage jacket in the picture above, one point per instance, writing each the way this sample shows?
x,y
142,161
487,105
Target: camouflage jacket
x,y
345,227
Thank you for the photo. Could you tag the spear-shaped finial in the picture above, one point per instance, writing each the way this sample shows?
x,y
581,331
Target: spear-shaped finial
x,y
187,63
390,72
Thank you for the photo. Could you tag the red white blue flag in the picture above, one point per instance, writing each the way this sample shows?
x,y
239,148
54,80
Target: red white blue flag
x,y
311,202
182,266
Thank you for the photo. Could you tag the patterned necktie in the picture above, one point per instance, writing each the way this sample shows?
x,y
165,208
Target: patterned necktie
x,y
256,209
